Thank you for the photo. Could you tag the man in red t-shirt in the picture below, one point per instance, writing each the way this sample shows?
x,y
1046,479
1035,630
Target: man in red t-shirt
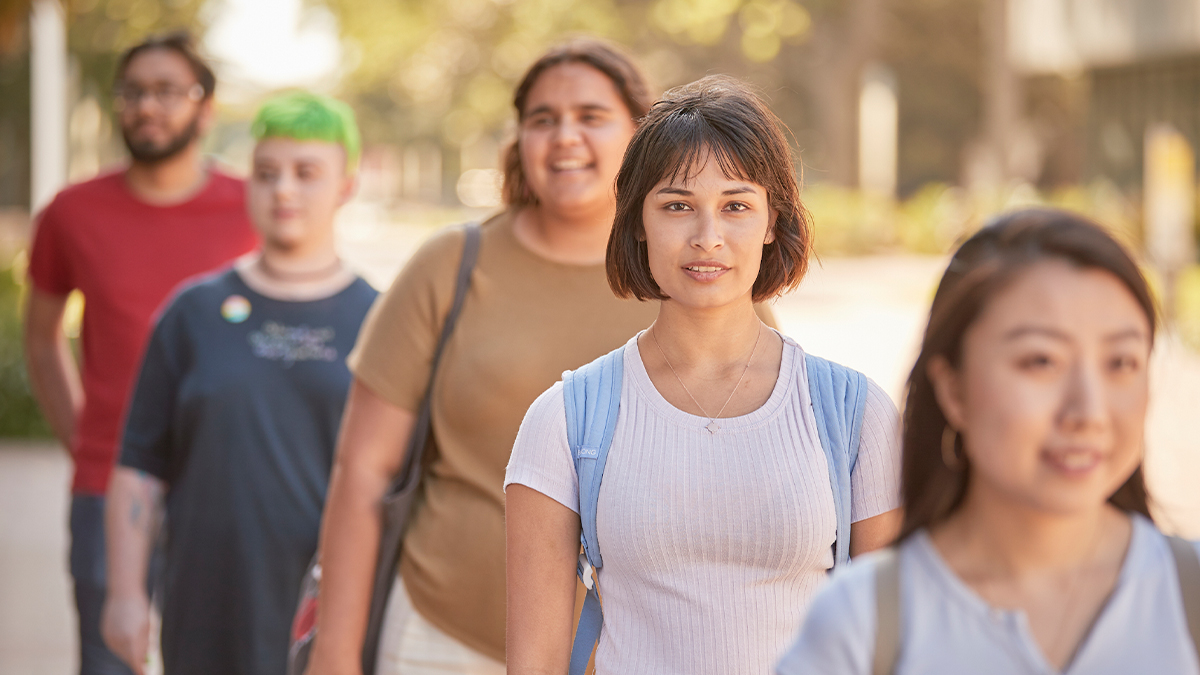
x,y
124,239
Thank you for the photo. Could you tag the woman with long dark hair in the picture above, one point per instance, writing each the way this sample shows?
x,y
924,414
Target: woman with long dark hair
x,y
1027,545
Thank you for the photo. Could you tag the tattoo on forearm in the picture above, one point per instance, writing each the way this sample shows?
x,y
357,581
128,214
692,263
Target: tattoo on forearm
x,y
145,506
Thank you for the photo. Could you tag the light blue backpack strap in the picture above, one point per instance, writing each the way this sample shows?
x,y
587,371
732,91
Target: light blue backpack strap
x,y
592,397
839,400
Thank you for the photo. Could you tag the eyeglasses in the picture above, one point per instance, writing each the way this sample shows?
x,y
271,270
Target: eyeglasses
x,y
167,96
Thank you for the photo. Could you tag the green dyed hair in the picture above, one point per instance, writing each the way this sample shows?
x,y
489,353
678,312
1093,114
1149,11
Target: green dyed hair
x,y
305,116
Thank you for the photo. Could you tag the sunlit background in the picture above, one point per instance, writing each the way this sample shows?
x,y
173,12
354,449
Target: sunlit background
x,y
915,100
913,120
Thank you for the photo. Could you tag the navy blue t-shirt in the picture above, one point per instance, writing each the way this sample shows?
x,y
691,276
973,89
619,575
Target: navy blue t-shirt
x,y
237,408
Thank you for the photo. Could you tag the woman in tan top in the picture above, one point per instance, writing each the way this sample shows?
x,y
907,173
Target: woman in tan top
x,y
538,304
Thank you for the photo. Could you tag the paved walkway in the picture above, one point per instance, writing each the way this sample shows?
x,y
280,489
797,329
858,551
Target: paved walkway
x,y
865,312
36,609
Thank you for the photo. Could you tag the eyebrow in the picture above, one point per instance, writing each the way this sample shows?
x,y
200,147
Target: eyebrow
x,y
741,190
1022,331
586,107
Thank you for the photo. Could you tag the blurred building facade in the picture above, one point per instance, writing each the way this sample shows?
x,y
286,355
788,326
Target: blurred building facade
x,y
1137,63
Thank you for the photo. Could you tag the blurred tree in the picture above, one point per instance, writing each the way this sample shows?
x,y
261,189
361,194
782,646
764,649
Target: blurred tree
x,y
14,109
934,48
442,71
845,38
97,32
14,105
12,17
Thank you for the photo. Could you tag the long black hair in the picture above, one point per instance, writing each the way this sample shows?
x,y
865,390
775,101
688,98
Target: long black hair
x,y
985,265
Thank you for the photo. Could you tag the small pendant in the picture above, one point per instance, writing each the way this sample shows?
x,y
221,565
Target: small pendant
x,y
712,427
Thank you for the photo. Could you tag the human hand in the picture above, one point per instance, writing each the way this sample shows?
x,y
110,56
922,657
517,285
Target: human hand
x,y
125,627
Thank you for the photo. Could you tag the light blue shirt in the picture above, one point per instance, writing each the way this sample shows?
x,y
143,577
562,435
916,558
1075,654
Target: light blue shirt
x,y
947,628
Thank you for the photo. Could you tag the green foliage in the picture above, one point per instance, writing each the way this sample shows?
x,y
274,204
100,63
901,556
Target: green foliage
x,y
937,216
444,70
99,30
849,222
19,414
14,129
765,24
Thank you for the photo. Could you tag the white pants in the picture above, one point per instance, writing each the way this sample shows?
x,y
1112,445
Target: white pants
x,y
410,645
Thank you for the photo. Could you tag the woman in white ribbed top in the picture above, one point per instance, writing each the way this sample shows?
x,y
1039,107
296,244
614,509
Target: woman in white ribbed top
x,y
716,512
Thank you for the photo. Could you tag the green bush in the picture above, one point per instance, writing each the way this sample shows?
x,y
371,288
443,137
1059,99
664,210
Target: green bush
x,y
19,413
937,217
849,222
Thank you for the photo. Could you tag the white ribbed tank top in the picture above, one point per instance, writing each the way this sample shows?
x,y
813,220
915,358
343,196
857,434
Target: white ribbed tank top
x,y
713,544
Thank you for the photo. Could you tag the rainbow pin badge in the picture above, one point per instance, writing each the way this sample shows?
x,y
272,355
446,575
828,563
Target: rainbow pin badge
x,y
235,309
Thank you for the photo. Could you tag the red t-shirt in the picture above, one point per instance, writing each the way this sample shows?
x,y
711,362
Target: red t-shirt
x,y
126,256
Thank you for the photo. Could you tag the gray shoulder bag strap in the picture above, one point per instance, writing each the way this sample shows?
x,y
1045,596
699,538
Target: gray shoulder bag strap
x,y
887,614
1187,566
398,500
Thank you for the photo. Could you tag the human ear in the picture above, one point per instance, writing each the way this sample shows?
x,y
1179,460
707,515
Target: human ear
x,y
772,218
947,389
348,188
205,115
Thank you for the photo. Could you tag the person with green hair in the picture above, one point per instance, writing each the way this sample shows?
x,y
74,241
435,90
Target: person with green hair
x,y
305,116
230,433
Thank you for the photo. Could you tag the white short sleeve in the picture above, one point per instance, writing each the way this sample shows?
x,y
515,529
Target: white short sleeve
x,y
875,481
541,458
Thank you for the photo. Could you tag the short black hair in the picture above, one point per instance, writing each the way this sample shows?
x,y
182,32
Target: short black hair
x,y
181,43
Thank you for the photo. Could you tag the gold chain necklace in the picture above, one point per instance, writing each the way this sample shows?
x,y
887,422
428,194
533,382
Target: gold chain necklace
x,y
712,425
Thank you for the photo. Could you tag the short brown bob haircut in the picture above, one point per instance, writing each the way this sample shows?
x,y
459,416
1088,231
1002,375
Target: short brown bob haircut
x,y
180,42
610,61
721,118
989,262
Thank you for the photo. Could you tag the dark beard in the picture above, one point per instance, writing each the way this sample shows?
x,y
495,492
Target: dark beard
x,y
149,153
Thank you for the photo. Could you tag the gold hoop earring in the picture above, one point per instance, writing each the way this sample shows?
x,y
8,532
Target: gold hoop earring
x,y
949,449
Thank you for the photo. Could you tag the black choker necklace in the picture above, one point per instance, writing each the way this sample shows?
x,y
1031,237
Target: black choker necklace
x,y
315,275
